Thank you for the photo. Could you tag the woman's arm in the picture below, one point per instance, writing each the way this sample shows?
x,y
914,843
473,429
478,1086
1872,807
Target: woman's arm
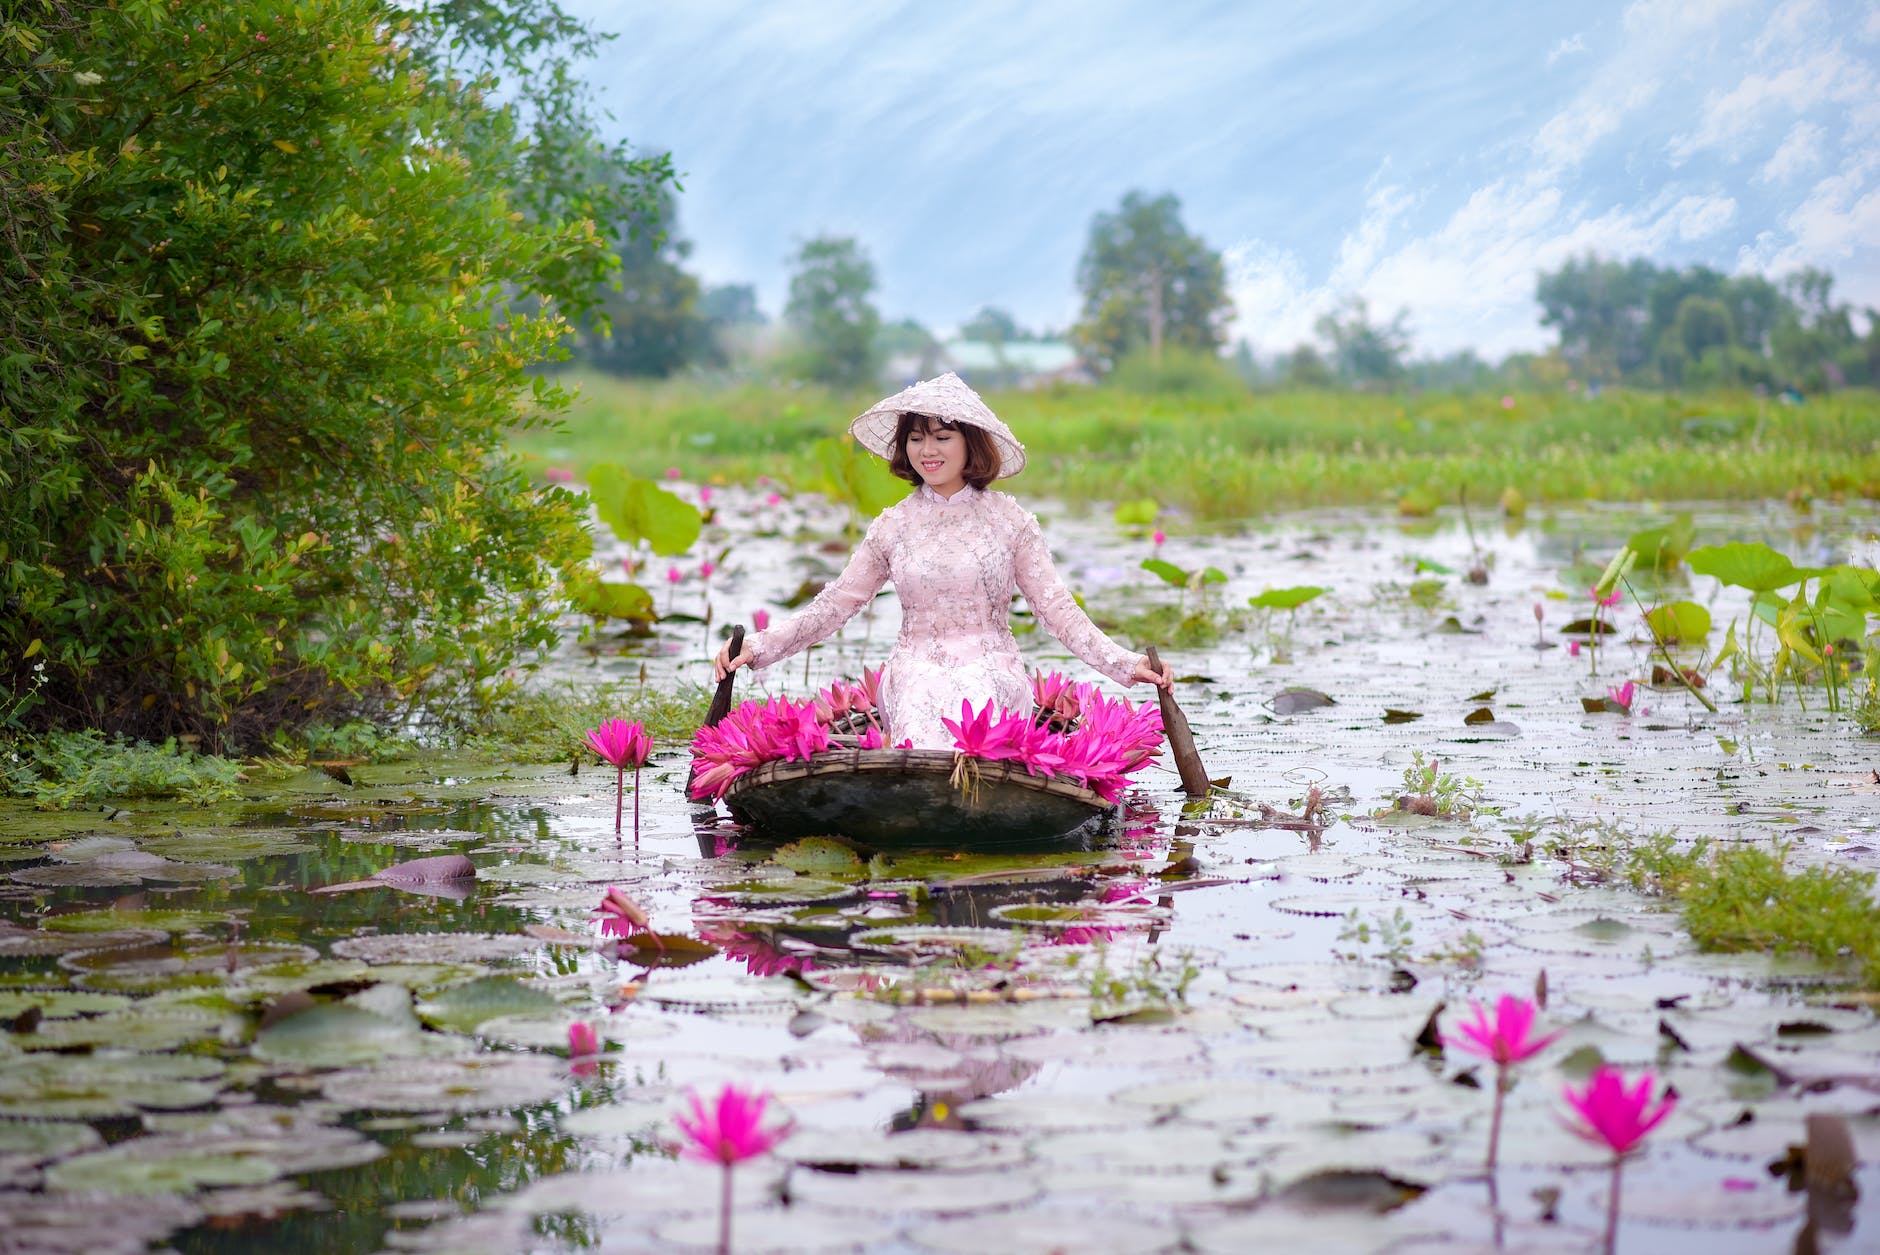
x,y
1054,606
835,605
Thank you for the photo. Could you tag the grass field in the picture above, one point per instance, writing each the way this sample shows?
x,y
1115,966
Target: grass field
x,y
1239,455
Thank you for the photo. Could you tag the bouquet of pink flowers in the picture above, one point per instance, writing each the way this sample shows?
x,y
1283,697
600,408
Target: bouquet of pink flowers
x,y
754,733
1108,741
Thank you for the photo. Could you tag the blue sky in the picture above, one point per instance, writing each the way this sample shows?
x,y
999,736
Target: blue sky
x,y
1428,157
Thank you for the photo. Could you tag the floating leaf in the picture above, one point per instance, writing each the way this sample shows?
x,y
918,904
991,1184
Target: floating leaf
x,y
1480,715
1291,701
607,599
1138,513
462,1007
1392,715
338,1035
441,876
821,856
433,948
1663,548
483,1082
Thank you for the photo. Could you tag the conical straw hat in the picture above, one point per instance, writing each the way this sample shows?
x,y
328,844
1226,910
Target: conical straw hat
x,y
946,397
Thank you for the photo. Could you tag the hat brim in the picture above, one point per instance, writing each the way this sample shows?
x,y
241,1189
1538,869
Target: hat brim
x,y
948,399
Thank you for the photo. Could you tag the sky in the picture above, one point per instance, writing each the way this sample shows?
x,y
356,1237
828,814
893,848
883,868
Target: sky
x,y
1430,158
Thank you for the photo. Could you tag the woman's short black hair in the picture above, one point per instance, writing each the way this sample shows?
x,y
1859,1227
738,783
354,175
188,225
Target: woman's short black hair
x,y
982,455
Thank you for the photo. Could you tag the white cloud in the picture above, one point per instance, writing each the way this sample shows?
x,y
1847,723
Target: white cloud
x,y
1800,149
1566,48
1659,37
1730,118
1841,214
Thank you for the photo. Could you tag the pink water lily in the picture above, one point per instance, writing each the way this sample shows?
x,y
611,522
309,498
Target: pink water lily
x,y
1605,600
623,745
727,1132
1621,696
760,619
754,733
1506,1040
1158,538
1618,1118
620,915
772,499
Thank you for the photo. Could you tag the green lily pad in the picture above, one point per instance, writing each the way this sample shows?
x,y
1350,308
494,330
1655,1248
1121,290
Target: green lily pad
x,y
87,1087
113,921
337,1035
485,1082
40,1140
235,846
818,856
158,1165
137,1029
434,948
58,1004
123,867
462,1007
1043,1233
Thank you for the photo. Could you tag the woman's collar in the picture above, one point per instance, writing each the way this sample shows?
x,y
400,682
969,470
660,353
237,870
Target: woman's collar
x,y
962,497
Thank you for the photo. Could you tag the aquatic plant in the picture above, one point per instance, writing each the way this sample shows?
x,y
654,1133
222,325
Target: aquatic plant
x,y
1505,1041
1618,1118
1113,739
727,1132
1428,790
623,744
752,734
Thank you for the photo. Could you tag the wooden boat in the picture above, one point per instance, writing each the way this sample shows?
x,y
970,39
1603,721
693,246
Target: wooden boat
x,y
906,798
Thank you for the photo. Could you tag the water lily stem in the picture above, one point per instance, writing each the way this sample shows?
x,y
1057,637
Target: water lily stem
x,y
724,1215
636,807
1612,1208
1494,1122
620,797
1665,650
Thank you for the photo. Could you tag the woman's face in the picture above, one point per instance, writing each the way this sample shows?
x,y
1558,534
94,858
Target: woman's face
x,y
939,456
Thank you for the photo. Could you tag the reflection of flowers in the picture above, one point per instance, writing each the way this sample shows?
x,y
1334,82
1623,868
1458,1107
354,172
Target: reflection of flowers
x,y
583,1045
758,954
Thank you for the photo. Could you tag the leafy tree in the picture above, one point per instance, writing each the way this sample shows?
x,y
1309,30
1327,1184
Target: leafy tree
x,y
1365,354
1305,367
648,320
831,312
732,305
1146,282
260,344
1599,308
992,325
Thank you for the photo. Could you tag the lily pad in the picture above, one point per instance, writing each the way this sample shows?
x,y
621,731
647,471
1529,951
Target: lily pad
x,y
434,947
485,1082
338,1035
818,856
1043,1233
462,1007
115,920
127,867
1292,701
86,1087
234,846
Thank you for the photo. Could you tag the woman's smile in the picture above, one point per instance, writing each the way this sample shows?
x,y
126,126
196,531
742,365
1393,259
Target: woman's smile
x,y
939,454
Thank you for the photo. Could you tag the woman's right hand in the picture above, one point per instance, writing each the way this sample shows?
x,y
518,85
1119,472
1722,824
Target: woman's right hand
x,y
724,664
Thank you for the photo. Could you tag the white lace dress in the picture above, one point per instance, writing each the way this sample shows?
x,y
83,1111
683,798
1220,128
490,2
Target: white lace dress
x,y
954,562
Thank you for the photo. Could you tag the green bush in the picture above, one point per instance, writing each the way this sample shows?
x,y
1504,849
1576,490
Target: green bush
x,y
262,332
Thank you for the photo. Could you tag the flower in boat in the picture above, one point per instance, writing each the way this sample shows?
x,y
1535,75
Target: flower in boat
x,y
620,915
622,744
730,1128
1053,693
979,734
1507,1038
873,738
1615,1116
754,733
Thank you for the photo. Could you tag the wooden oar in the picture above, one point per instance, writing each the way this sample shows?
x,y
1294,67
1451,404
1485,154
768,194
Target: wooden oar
x,y
720,707
1181,741
721,700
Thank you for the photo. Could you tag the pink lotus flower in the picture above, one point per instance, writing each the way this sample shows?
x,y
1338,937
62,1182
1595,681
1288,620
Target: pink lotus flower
x,y
728,1132
624,745
1158,538
754,733
1507,1038
1573,649
705,569
1507,403
1617,1118
1621,696
1606,600
672,472
705,495
773,499
1506,1041
558,475
760,619
674,575
620,916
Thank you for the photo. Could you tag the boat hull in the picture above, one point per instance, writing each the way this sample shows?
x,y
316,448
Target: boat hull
x,y
912,798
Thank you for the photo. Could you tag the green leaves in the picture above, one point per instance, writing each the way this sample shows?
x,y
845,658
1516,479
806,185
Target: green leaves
x,y
1141,512
1679,621
1662,548
640,510
1752,565
1173,575
1286,598
853,475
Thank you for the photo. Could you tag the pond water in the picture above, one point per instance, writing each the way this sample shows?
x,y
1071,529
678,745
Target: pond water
x,y
1198,1033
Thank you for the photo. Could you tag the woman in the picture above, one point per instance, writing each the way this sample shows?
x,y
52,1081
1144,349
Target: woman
x,y
954,551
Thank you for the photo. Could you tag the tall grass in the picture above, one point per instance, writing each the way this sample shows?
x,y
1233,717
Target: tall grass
x,y
1224,454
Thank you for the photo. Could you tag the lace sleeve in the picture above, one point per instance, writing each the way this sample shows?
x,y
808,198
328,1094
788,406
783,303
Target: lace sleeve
x,y
835,605
1058,610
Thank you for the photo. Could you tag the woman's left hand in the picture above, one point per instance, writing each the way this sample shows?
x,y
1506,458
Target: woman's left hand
x,y
1146,674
